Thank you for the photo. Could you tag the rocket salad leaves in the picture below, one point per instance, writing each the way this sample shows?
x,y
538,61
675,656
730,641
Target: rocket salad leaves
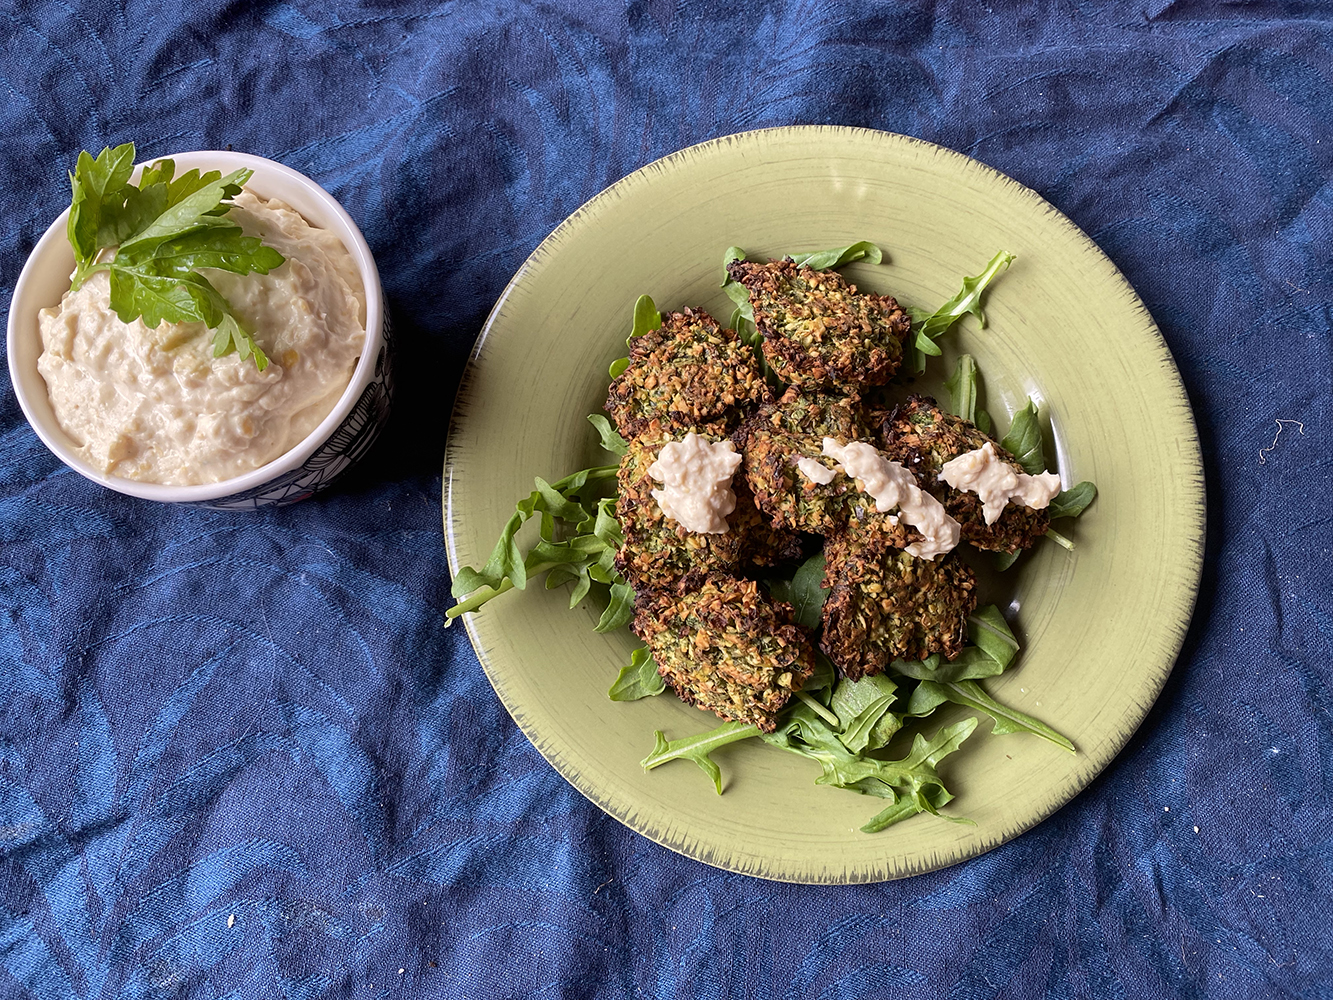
x,y
154,237
580,549
1023,441
847,727
638,678
930,327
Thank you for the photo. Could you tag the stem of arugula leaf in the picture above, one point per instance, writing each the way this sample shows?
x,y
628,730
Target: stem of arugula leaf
x,y
1059,539
479,597
820,710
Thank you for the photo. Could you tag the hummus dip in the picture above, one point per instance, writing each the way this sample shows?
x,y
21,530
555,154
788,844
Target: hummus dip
x,y
154,405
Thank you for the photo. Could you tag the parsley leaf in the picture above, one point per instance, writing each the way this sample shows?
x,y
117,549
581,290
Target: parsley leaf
x,y
154,237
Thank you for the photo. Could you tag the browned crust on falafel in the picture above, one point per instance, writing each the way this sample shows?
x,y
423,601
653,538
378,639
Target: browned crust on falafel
x,y
686,374
727,648
660,554
923,437
818,328
782,434
885,604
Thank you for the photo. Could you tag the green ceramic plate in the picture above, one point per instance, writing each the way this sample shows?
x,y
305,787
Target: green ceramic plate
x,y
1101,626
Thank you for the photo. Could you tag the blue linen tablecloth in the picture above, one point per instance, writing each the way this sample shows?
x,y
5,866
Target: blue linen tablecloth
x,y
241,757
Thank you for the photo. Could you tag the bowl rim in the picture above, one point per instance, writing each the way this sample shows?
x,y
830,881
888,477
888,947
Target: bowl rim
x,y
336,218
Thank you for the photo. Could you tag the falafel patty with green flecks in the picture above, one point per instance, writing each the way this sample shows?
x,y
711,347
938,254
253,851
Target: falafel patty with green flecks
x,y
923,437
818,329
784,433
762,542
687,373
727,648
885,604
660,554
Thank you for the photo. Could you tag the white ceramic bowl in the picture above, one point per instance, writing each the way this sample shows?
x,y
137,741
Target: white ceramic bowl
x,y
329,450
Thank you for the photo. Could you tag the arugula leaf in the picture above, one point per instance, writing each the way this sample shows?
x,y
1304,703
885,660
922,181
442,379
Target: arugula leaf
x,y
610,438
621,609
989,631
822,680
804,591
911,783
825,260
1024,440
697,748
862,708
159,234
923,791
968,693
1073,501
646,317
929,327
638,678
992,650
971,664
962,386
742,318
585,557
1069,503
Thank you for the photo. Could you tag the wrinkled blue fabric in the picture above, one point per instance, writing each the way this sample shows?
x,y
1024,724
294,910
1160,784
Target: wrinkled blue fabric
x,y
239,755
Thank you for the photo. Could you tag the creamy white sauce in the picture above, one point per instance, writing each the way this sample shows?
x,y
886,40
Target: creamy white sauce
x,y
994,480
156,406
816,471
892,485
696,477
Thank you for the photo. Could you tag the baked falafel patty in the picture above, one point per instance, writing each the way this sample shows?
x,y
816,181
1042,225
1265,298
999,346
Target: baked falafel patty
x,y
727,648
885,604
659,553
789,431
687,373
923,437
819,329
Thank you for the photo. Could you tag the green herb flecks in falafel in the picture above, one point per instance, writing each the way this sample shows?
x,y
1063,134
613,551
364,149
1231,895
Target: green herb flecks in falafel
x,y
684,375
727,648
785,435
885,604
660,554
818,328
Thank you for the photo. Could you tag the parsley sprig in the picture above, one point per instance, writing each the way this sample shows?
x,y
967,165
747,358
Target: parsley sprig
x,y
154,237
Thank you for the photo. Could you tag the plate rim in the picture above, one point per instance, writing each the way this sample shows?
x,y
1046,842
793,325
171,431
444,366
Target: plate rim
x,y
886,869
